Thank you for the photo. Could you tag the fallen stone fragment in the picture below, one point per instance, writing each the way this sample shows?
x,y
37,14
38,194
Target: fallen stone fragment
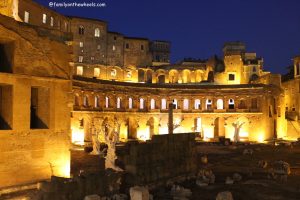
x,y
262,164
237,177
92,197
229,181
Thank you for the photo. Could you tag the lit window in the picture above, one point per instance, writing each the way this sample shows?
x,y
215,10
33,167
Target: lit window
x,y
96,72
175,103
220,104
44,18
97,32
197,104
231,77
114,48
80,59
130,103
185,104
98,47
66,26
81,44
208,104
85,101
92,58
113,72
51,21
118,102
163,104
231,104
106,102
79,70
26,17
142,101
152,104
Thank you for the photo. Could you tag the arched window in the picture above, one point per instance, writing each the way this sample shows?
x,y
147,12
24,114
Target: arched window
x,y
76,103
163,104
142,103
118,102
106,102
97,32
208,104
96,102
197,104
175,103
152,104
85,101
254,69
220,104
81,30
231,104
186,105
130,103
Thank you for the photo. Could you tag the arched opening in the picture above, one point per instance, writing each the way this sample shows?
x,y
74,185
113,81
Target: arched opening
x,y
81,30
106,102
186,105
210,77
142,104
254,103
96,103
231,104
85,101
149,76
141,75
186,76
130,103
220,104
175,103
208,104
173,76
161,79
198,76
76,100
242,104
97,32
119,103
163,104
152,104
254,77
197,105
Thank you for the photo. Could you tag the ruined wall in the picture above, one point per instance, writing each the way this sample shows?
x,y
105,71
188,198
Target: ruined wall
x,y
36,143
162,158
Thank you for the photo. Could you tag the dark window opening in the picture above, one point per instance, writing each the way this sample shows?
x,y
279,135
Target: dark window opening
x,y
6,57
141,75
39,108
81,30
115,38
142,47
5,107
231,77
127,46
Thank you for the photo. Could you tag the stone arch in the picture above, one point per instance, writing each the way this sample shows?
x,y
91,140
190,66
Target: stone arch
x,y
76,100
96,101
86,102
173,76
220,104
161,76
186,76
141,75
198,76
254,77
149,76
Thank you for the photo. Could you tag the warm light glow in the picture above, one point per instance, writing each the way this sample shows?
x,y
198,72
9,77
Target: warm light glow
x,y
77,136
163,130
244,134
208,133
260,138
61,167
143,134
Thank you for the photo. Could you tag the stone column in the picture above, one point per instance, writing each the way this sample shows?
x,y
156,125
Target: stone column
x,y
170,121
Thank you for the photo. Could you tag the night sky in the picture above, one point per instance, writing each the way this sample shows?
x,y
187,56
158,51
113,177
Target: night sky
x,y
199,28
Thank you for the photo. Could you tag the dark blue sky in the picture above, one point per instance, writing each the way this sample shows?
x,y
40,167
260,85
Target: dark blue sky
x,y
199,28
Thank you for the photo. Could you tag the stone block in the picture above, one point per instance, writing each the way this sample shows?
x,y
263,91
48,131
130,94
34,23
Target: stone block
x,y
139,193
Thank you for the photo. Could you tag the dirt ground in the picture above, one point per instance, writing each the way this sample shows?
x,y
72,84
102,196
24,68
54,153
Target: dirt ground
x,y
255,184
